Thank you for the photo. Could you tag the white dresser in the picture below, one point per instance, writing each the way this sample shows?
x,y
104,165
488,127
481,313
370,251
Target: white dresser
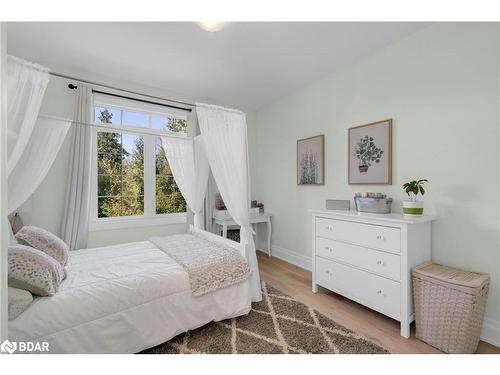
x,y
368,258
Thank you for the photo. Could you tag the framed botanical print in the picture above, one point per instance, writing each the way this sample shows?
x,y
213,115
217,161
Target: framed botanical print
x,y
370,153
311,161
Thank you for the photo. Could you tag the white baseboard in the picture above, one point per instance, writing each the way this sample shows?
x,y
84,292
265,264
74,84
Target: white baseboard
x,y
491,327
491,331
291,257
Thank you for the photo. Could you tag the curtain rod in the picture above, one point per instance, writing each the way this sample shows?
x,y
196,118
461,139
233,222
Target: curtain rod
x,y
118,129
141,100
71,86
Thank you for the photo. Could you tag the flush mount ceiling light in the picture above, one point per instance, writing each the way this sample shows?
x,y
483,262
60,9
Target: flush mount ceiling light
x,y
211,26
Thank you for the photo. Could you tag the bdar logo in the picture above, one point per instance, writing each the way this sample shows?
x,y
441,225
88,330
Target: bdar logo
x,y
8,347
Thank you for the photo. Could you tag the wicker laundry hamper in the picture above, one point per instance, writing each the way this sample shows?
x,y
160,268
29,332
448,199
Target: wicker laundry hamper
x,y
449,306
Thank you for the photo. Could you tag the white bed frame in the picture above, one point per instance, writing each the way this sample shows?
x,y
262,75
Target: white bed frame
x,y
215,238
214,305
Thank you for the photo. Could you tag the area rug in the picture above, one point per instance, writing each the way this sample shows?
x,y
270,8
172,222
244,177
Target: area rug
x,y
277,325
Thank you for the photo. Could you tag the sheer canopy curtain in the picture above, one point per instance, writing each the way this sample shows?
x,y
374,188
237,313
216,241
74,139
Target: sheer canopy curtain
x,y
224,133
75,224
40,152
189,165
26,84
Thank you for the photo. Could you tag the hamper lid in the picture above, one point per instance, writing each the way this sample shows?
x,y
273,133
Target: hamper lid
x,y
452,275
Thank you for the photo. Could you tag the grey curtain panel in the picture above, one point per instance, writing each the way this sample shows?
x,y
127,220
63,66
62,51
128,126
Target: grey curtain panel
x,y
209,202
75,224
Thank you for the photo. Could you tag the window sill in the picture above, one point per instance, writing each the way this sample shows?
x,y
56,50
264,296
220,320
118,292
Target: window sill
x,y
135,222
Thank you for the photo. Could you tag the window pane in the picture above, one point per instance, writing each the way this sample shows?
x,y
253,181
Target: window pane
x,y
168,123
133,165
165,202
162,166
158,144
177,125
133,182
133,206
135,119
109,185
110,143
109,164
132,143
109,207
120,175
168,197
107,115
158,122
180,203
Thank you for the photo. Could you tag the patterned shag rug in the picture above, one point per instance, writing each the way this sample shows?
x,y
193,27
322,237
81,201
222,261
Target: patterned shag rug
x,y
278,324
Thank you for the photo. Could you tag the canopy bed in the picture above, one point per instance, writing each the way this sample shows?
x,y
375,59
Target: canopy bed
x,y
124,299
129,297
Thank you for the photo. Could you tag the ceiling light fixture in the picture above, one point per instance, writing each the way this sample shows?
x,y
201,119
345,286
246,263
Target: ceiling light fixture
x,y
211,26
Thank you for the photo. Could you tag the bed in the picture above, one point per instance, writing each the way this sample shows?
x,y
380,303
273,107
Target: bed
x,y
123,299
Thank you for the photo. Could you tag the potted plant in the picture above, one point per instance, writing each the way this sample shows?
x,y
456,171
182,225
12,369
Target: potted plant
x,y
366,151
413,206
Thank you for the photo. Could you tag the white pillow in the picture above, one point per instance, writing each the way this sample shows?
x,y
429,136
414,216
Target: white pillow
x,y
19,300
44,241
33,270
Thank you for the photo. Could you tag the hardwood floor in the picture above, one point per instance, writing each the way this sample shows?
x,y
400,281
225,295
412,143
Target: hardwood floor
x,y
296,282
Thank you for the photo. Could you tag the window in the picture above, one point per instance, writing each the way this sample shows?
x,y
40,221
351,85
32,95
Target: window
x,y
133,182
120,174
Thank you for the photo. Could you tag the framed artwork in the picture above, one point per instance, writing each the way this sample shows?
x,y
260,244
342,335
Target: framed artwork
x,y
311,161
370,153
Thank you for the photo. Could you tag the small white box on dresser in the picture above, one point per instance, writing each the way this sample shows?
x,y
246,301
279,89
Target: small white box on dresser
x,y
368,258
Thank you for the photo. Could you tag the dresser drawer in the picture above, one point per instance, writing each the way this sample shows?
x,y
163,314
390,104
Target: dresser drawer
x,y
374,291
382,263
374,236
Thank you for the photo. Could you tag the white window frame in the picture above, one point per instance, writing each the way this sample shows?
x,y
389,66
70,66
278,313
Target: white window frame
x,y
150,217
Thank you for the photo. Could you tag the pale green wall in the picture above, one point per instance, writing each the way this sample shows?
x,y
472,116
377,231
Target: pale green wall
x,y
441,87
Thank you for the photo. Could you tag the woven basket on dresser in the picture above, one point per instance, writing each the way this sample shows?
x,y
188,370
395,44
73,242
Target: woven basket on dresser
x,y
449,306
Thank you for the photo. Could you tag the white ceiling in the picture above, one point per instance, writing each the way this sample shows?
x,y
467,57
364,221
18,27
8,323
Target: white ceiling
x,y
243,65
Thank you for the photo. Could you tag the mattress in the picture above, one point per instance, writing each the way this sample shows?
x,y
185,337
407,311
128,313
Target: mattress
x,y
123,299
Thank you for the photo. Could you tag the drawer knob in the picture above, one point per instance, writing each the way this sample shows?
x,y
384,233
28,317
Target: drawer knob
x,y
329,227
328,248
381,293
380,237
380,263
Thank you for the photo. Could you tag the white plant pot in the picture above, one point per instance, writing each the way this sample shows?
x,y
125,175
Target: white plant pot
x,y
413,208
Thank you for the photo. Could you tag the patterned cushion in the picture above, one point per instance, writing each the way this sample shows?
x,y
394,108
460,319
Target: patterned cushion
x,y
33,270
44,241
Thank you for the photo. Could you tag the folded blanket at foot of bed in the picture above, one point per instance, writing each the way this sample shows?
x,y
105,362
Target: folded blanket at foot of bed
x,y
210,265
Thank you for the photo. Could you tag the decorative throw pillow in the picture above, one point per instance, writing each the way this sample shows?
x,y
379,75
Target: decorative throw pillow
x,y
44,241
33,270
19,300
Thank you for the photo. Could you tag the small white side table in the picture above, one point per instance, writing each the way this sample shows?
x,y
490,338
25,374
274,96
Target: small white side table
x,y
261,218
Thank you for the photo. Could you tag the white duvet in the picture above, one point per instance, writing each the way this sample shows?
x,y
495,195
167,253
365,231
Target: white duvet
x,y
123,299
